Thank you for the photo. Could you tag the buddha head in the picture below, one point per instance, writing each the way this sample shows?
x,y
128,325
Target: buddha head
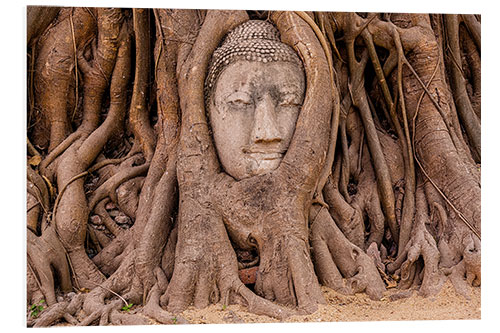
x,y
254,92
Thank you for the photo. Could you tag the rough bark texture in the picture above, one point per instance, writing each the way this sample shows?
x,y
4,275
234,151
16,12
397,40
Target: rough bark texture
x,y
128,205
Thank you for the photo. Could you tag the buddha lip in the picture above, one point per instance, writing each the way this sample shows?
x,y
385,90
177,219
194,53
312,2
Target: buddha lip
x,y
264,151
268,155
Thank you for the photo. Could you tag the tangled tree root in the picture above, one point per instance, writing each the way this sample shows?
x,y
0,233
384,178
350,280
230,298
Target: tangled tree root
x,y
63,310
337,258
190,218
46,253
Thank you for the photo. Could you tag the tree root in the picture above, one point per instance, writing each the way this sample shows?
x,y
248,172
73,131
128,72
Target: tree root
x,y
360,100
206,268
62,310
44,254
350,219
194,246
110,186
421,244
152,307
94,305
467,272
335,255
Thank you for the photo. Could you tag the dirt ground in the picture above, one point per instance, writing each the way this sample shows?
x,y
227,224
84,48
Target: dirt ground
x,y
447,305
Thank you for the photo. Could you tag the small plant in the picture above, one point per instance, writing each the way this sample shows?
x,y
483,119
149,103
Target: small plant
x,y
224,307
174,320
127,307
35,309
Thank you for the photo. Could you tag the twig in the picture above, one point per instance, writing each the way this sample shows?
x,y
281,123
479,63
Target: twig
x,y
76,63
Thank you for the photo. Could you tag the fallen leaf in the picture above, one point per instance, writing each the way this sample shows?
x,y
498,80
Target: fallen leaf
x,y
35,160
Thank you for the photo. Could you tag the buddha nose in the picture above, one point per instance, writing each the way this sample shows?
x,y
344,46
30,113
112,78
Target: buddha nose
x,y
265,127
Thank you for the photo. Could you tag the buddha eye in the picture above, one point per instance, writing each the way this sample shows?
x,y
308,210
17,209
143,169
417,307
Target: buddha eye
x,y
289,100
239,100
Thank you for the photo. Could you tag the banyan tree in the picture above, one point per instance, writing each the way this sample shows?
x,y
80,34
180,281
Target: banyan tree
x,y
190,157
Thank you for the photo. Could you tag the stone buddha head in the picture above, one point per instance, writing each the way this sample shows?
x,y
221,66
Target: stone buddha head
x,y
254,92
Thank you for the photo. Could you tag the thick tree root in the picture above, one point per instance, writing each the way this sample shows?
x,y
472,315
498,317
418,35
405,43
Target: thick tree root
x,y
44,254
198,286
173,258
467,272
421,244
335,257
206,269
95,302
152,308
62,310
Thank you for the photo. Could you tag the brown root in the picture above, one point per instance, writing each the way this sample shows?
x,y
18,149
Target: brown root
x,y
421,244
45,253
54,75
356,266
63,310
167,228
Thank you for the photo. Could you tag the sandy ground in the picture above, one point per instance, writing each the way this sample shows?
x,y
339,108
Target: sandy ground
x,y
447,305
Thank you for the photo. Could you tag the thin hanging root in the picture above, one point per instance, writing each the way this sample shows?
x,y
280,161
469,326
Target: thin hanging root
x,y
380,164
329,32
380,74
138,114
410,181
431,97
76,63
346,165
474,28
470,122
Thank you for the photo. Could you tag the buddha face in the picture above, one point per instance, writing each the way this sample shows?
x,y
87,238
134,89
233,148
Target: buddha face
x,y
253,111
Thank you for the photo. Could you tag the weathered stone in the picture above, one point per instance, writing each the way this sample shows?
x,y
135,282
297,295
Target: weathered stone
x,y
254,98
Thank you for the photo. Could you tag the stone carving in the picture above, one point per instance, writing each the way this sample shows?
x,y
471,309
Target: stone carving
x,y
254,91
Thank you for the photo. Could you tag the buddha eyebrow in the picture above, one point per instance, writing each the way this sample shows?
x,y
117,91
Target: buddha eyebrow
x,y
238,95
290,89
291,94
238,91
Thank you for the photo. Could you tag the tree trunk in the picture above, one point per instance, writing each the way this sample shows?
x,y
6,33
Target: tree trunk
x,y
129,204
